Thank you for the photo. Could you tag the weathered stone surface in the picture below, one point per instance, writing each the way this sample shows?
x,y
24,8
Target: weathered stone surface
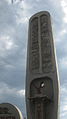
x,y
42,89
9,111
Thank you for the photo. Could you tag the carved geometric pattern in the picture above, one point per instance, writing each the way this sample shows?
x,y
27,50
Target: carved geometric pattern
x,y
34,45
45,45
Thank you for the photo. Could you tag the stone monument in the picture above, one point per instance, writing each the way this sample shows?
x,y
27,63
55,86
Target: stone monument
x,y
9,111
42,86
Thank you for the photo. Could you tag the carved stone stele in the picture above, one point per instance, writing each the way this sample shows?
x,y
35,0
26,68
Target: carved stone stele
x,y
42,87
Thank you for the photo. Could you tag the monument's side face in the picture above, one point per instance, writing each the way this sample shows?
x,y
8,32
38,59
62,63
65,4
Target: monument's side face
x,y
41,78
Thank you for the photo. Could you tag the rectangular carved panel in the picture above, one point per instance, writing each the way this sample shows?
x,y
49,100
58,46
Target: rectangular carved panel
x,y
34,46
45,45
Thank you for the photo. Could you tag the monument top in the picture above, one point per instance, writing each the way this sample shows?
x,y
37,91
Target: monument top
x,y
40,13
41,50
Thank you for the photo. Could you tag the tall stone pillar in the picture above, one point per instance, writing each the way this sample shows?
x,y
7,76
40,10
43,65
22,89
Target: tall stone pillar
x,y
42,89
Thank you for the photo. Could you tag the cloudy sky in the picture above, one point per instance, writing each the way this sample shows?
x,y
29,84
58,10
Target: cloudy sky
x,y
13,46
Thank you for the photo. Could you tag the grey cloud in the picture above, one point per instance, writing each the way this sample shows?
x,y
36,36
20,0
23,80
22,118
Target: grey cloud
x,y
12,95
14,23
63,103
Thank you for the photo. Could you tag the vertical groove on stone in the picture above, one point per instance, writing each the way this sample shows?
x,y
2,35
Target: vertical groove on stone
x,y
34,46
39,37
